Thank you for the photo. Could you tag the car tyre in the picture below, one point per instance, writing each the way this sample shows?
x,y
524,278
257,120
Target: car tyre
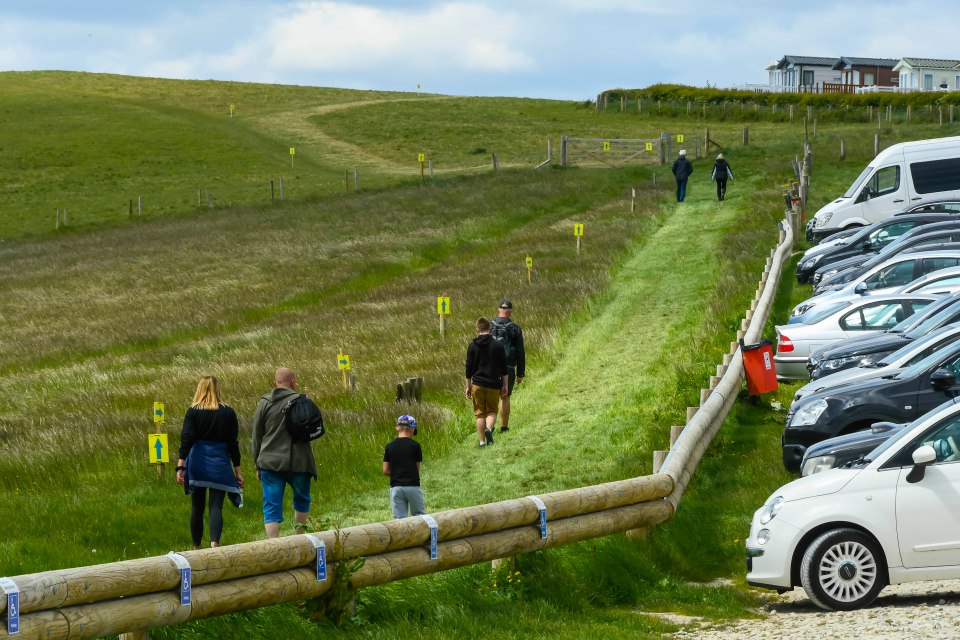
x,y
842,570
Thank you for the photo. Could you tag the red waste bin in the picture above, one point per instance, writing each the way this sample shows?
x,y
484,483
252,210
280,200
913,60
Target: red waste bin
x,y
758,365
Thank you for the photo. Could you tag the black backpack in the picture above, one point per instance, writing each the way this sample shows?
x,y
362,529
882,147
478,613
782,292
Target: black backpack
x,y
303,419
504,334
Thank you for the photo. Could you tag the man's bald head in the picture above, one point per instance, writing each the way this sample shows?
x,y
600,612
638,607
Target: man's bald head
x,y
285,378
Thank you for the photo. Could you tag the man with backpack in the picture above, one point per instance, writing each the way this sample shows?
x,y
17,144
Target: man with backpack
x,y
510,335
486,379
280,458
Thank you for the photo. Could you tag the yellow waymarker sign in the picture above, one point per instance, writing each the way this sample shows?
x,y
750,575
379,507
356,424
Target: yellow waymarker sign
x,y
606,146
157,448
679,137
529,262
421,157
443,306
578,229
649,146
293,151
158,414
343,362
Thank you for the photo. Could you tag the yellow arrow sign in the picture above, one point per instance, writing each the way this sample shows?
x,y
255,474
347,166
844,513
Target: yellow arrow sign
x,y
578,229
606,146
158,414
343,362
443,306
529,262
157,448
421,157
293,151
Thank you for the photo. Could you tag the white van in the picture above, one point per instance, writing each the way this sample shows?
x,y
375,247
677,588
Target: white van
x,y
901,176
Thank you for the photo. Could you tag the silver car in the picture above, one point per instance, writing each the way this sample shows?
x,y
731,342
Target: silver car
x,y
886,277
836,320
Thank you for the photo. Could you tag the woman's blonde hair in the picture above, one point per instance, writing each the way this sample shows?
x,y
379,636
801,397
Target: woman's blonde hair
x,y
208,394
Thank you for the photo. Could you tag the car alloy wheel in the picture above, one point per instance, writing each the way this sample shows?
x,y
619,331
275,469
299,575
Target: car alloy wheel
x,y
843,569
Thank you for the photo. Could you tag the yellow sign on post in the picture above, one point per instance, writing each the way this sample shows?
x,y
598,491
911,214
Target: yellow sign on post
x,y
232,109
158,414
578,229
529,270
157,448
443,305
421,157
606,146
529,262
649,146
679,137
343,362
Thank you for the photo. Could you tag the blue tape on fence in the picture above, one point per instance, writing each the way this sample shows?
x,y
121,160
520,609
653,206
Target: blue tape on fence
x,y
321,548
12,592
185,577
542,508
433,535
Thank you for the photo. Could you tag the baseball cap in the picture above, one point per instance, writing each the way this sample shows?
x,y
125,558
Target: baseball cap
x,y
407,421
506,304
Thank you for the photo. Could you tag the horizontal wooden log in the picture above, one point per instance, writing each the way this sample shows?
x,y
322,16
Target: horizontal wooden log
x,y
146,575
162,609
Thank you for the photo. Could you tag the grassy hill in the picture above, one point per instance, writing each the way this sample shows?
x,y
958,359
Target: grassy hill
x,y
102,318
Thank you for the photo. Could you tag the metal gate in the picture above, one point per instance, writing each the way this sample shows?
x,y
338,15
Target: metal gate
x,y
618,152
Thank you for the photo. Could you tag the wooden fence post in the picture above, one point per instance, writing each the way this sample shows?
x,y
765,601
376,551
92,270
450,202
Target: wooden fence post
x,y
843,150
876,144
746,136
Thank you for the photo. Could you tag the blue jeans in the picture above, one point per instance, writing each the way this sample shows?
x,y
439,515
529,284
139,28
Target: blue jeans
x,y
274,483
681,189
406,501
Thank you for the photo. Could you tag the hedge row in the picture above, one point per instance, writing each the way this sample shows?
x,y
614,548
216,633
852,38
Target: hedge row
x,y
700,95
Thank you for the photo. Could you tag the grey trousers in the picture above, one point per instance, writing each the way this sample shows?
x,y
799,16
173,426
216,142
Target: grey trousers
x,y
406,501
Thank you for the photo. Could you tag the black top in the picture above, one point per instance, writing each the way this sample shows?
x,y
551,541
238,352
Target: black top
x,y
403,454
517,357
214,425
486,362
682,168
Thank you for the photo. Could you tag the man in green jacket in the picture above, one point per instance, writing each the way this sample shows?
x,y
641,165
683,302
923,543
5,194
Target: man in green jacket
x,y
279,459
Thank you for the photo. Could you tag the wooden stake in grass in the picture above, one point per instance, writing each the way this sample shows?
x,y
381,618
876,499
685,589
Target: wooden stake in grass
x,y
578,234
421,158
529,270
443,310
343,364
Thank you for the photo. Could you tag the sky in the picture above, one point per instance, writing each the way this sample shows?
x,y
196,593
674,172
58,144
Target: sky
x,y
562,49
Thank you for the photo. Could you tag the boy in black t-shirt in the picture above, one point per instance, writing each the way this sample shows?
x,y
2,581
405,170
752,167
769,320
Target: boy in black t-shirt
x,y
401,461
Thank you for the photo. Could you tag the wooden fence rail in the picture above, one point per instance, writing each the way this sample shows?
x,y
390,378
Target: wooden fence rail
x,y
137,595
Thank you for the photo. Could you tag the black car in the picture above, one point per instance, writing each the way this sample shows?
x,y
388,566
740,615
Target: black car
x,y
853,352
836,452
898,397
816,236
869,240
915,239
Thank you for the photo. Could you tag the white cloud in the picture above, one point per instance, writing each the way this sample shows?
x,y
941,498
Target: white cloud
x,y
334,36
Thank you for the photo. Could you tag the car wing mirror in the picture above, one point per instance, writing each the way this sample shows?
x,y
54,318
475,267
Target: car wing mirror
x,y
922,457
942,379
861,288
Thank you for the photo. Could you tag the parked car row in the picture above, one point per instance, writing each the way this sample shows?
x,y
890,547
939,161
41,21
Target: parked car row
x,y
875,433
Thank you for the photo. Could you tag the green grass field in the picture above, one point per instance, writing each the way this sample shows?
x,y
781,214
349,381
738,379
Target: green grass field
x,y
102,318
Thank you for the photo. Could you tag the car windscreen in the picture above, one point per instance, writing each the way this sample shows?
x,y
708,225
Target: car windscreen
x,y
855,187
928,362
818,312
935,321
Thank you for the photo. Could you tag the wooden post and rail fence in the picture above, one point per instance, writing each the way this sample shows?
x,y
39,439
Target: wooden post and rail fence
x,y
133,596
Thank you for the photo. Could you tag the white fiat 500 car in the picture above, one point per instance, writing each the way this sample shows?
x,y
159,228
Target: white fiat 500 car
x,y
845,533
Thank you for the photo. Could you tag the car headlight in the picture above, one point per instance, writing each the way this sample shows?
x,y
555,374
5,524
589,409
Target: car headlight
x,y
809,413
763,536
828,274
837,363
823,218
771,510
810,263
817,464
